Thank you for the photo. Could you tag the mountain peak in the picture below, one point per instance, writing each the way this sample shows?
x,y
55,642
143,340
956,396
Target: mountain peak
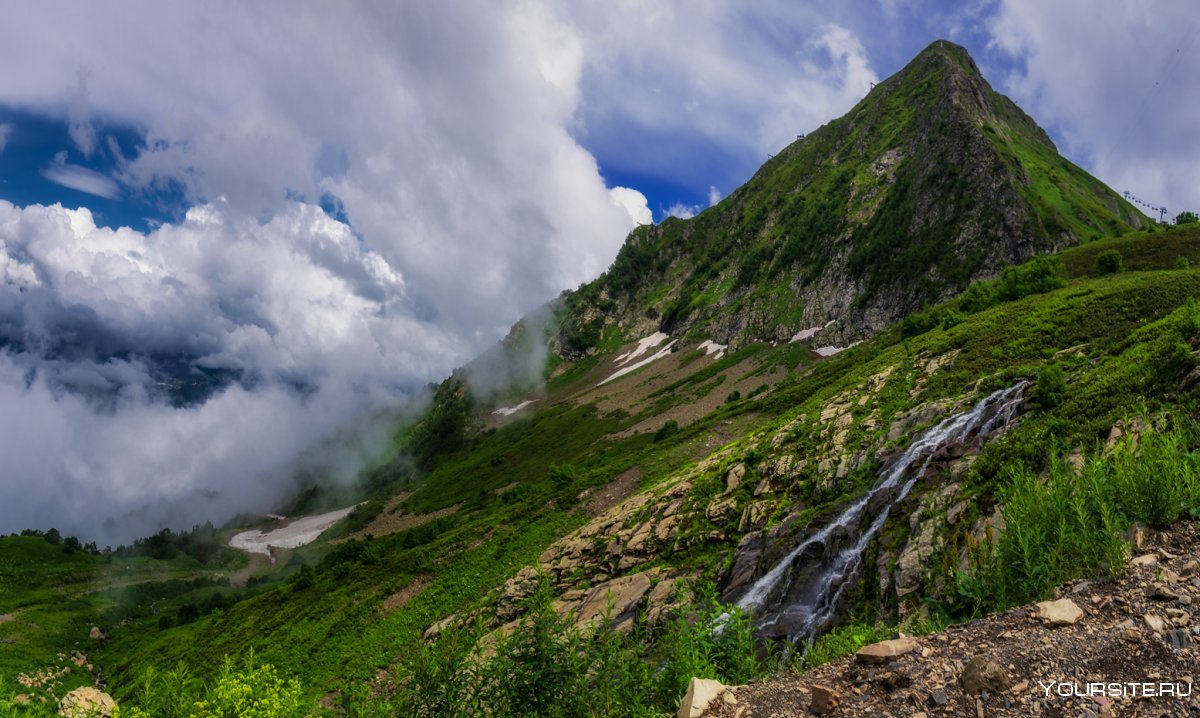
x,y
931,181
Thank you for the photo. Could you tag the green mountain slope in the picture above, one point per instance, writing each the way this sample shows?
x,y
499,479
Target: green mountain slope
x,y
932,180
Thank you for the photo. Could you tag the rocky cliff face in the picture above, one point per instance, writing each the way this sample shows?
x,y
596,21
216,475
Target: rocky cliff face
x,y
931,181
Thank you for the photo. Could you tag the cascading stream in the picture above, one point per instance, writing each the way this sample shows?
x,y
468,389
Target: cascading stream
x,y
800,594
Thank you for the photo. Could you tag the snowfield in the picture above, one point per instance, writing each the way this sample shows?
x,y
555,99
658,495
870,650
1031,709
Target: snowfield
x,y
510,410
298,533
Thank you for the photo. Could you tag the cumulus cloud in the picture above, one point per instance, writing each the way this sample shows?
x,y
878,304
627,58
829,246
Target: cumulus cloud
x,y
6,128
682,211
1119,88
714,195
633,202
80,178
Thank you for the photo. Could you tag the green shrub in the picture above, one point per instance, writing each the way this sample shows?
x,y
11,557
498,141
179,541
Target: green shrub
x,y
667,430
844,640
1182,263
250,690
1039,275
918,323
734,395
1050,386
1109,262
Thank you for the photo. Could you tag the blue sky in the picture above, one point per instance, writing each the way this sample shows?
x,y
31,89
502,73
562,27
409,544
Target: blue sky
x,y
476,160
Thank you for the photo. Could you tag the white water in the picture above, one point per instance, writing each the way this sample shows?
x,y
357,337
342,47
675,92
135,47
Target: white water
x,y
802,619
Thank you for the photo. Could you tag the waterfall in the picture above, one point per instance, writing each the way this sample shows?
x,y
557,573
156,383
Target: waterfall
x,y
800,594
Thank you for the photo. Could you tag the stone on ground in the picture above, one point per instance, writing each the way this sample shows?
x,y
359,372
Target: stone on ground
x,y
984,673
825,700
885,651
700,692
1062,612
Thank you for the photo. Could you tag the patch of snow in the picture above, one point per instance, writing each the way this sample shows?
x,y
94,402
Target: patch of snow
x,y
710,348
642,347
510,410
806,334
300,532
634,367
830,351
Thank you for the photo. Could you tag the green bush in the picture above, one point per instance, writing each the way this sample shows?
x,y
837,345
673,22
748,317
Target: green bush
x,y
1050,386
668,429
1039,275
918,323
258,691
1109,262
1182,263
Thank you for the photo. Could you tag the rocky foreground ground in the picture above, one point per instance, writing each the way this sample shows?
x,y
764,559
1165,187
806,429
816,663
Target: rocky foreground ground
x,y
1103,648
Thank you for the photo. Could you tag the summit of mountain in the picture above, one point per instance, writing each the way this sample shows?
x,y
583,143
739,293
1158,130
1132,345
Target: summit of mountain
x,y
931,181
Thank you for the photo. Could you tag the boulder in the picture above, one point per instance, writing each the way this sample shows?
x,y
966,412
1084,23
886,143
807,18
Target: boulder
x,y
720,509
96,634
86,703
435,631
984,673
733,478
620,594
825,700
885,651
1063,612
700,693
